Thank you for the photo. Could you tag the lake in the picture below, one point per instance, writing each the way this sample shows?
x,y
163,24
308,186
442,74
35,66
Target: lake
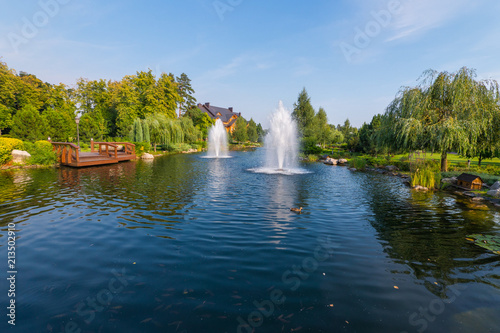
x,y
186,244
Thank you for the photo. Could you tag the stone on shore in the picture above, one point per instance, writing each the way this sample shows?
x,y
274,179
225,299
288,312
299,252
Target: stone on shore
x,y
342,161
420,188
452,180
147,156
495,186
494,193
330,161
20,156
392,168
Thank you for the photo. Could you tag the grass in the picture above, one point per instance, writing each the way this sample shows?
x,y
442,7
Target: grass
x,y
453,159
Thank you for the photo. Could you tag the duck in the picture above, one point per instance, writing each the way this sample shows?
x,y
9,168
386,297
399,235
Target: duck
x,y
298,210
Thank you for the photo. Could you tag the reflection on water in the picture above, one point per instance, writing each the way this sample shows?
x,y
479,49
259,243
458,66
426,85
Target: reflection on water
x,y
206,239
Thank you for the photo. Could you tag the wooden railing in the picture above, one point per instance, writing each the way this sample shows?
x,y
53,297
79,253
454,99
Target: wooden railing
x,y
128,148
66,152
106,148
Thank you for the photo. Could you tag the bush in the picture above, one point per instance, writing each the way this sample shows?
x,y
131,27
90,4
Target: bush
x,y
42,153
312,158
308,146
178,147
425,177
358,163
7,145
142,147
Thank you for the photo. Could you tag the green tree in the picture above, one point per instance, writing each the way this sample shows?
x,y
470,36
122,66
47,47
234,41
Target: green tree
x,y
261,133
240,131
138,137
252,131
322,130
59,125
446,111
28,124
92,127
303,113
201,120
145,131
5,118
185,92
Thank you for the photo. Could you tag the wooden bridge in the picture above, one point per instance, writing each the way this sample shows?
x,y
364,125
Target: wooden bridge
x,y
107,153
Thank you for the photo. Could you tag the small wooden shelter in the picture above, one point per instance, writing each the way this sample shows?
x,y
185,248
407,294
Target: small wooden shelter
x,y
469,181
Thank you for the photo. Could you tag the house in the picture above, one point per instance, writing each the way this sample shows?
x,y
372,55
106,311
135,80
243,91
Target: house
x,y
227,116
469,181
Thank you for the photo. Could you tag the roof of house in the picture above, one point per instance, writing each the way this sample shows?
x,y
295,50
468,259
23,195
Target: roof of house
x,y
466,177
216,112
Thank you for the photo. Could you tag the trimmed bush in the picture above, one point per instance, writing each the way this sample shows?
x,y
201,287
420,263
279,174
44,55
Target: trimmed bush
x,y
7,145
42,153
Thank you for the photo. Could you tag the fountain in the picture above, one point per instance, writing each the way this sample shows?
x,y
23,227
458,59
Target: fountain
x,y
281,145
217,141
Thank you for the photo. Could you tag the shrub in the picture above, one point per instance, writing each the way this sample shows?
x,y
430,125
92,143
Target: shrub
x,y
358,163
178,147
425,177
425,173
142,147
7,145
308,146
42,153
312,158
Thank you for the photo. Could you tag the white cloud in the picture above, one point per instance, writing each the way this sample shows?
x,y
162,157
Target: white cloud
x,y
418,17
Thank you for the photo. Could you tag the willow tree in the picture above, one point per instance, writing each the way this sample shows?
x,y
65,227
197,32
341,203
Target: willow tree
x,y
445,112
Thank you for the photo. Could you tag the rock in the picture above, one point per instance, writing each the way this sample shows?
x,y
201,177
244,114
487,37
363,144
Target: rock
x,y
147,156
392,168
342,161
495,186
20,156
420,188
352,169
324,157
494,193
452,180
330,161
477,199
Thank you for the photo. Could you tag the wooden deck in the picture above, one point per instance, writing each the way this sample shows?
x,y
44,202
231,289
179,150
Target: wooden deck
x,y
107,153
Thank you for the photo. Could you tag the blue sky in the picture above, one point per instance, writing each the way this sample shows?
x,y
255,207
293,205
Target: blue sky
x,y
352,56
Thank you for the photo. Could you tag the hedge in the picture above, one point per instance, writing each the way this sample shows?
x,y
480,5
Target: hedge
x,y
7,145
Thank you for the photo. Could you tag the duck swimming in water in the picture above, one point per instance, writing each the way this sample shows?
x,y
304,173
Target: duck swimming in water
x,y
297,210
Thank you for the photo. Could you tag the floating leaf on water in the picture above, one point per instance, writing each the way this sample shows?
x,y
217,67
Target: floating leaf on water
x,y
488,242
396,287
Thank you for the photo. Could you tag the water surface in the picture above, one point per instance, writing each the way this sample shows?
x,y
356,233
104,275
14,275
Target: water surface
x,y
186,244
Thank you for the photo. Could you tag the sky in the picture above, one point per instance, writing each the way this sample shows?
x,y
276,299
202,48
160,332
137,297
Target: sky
x,y
352,56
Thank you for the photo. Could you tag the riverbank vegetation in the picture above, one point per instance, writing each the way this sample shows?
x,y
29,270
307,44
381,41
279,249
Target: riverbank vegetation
x,y
143,108
449,120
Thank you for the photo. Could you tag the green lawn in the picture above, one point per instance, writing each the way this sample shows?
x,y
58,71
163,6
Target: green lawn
x,y
453,159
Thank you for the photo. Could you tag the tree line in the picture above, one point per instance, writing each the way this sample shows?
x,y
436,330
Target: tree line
x,y
141,107
445,112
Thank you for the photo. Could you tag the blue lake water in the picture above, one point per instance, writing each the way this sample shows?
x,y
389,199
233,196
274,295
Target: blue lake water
x,y
186,244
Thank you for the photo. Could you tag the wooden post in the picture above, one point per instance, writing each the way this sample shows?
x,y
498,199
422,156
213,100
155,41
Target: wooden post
x,y
63,155
91,145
